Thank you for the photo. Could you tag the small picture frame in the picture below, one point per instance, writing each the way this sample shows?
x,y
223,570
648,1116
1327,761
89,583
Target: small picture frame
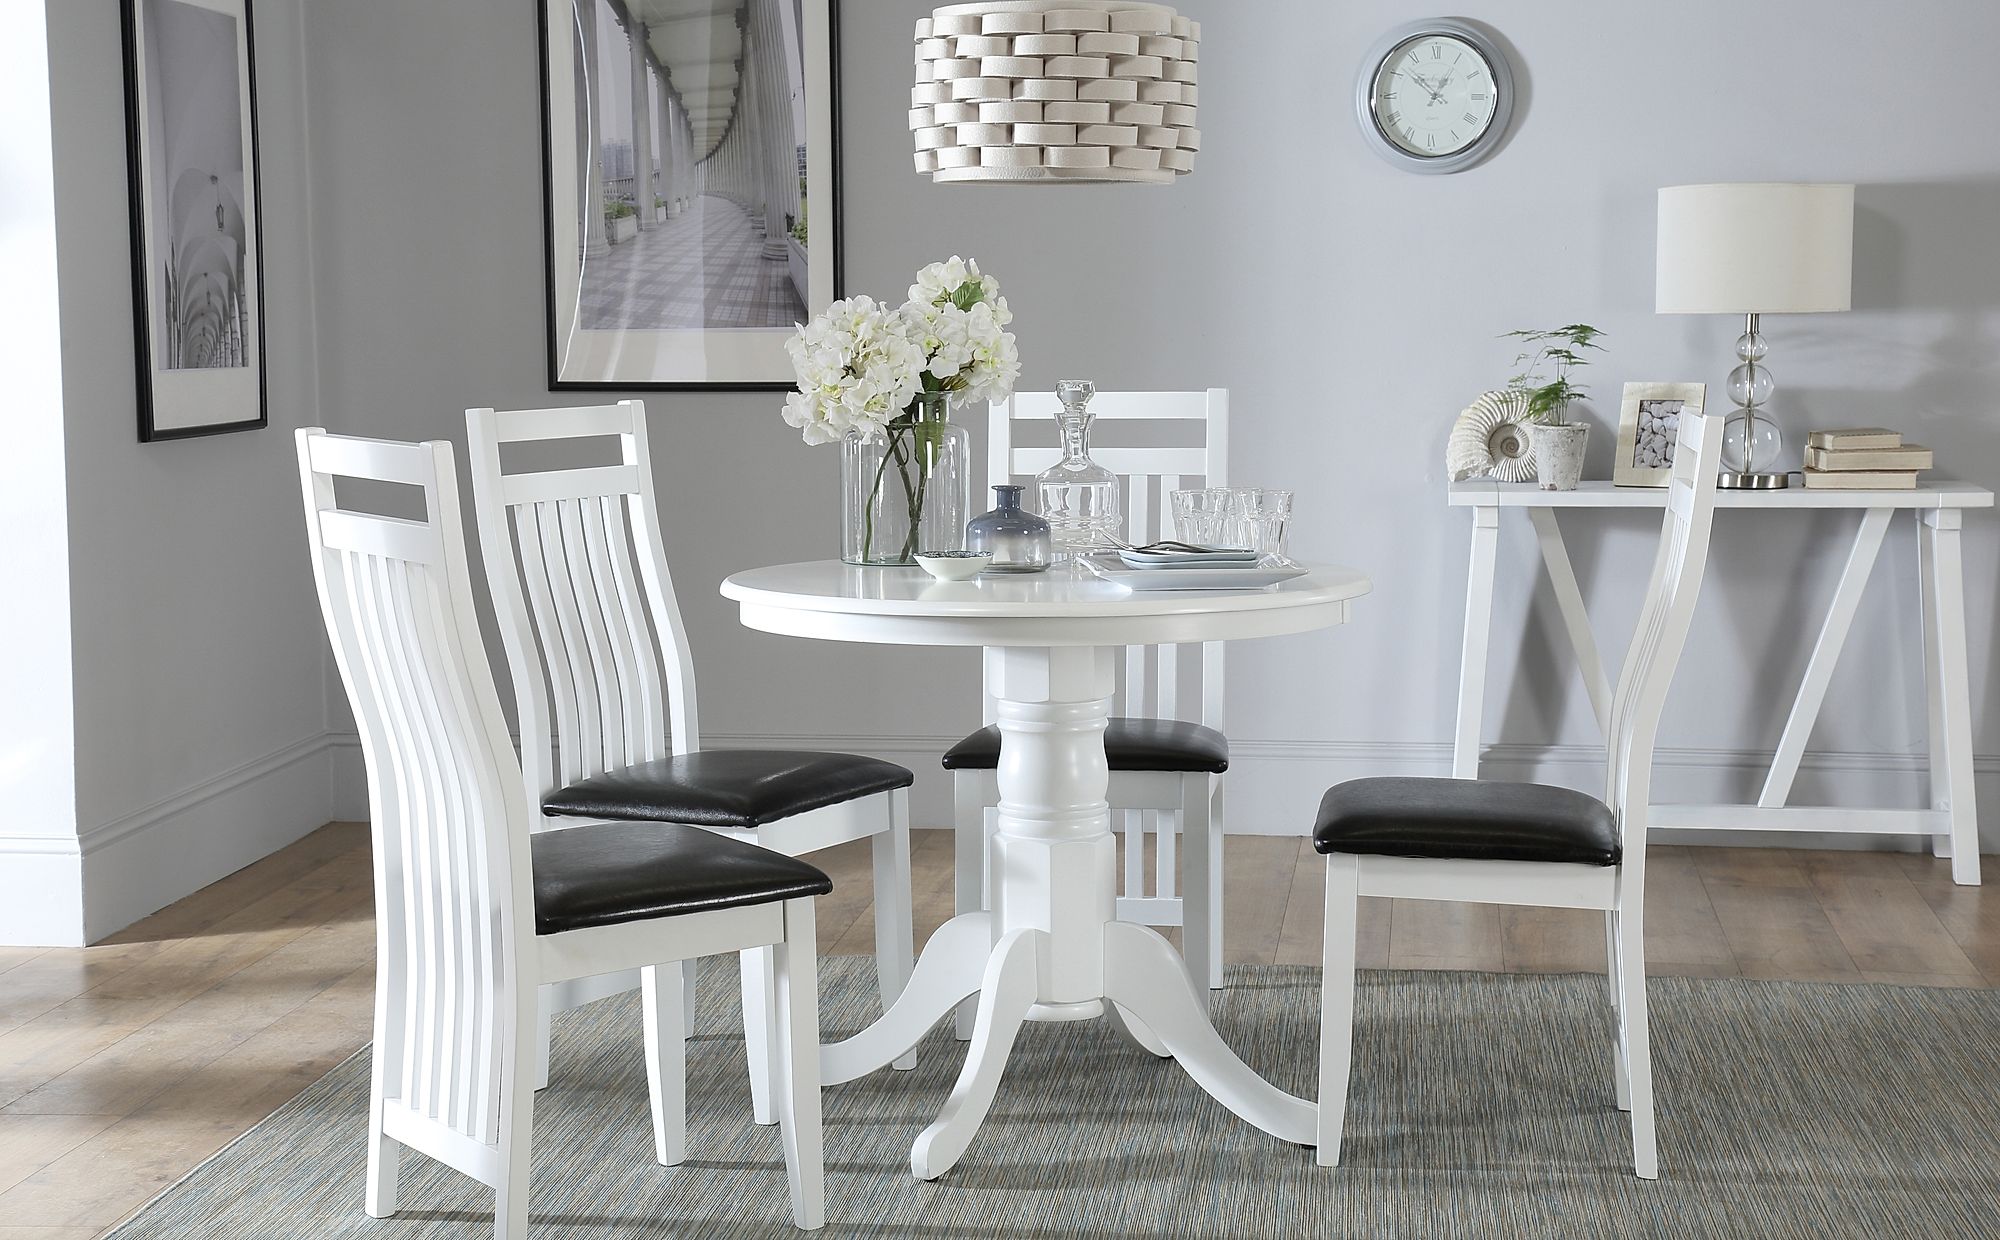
x,y
1648,422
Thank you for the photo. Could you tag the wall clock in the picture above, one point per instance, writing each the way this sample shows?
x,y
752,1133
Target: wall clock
x,y
1435,96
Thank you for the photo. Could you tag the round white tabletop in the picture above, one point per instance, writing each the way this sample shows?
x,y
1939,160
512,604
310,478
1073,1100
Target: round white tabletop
x,y
832,601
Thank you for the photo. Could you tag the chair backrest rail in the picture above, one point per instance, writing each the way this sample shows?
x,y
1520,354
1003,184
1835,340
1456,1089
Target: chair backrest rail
x,y
594,639
445,796
1150,680
1664,620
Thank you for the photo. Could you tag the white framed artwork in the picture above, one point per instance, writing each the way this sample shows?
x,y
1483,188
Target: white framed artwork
x,y
197,242
691,188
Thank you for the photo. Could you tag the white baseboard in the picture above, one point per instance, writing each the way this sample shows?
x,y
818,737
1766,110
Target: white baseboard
x,y
68,892
1274,787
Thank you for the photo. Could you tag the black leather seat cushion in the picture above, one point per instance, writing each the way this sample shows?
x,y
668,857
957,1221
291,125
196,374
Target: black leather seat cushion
x,y
1468,819
1129,745
606,873
733,788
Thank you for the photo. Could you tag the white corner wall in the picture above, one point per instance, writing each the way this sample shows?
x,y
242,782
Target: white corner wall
x,y
195,658
41,881
1352,308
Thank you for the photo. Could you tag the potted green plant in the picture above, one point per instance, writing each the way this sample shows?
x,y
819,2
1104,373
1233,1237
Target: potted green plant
x,y
621,222
1558,442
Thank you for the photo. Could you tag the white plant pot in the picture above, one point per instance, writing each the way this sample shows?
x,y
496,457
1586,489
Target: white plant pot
x,y
1558,454
622,228
795,259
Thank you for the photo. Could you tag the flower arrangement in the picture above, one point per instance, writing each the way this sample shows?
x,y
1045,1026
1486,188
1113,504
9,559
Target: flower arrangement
x,y
887,375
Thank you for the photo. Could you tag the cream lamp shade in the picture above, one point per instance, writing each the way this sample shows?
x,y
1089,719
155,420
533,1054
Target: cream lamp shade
x,y
1056,90
1755,249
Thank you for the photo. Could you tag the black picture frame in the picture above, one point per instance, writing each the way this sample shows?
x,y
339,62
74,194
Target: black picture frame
x,y
161,404
779,376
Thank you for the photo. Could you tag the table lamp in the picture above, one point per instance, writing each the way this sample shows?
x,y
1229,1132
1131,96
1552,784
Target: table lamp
x,y
1754,249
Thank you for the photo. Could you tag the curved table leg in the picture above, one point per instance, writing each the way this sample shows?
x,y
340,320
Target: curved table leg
x,y
1006,992
1125,1023
948,971
1145,976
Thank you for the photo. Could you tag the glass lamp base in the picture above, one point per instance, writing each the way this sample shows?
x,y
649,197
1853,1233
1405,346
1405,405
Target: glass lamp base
x,y
1751,443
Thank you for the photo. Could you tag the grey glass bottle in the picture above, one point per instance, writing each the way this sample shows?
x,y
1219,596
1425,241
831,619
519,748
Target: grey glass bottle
x,y
1017,538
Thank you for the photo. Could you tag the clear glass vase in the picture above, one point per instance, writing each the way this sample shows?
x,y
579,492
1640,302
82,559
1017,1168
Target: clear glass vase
x,y
908,489
1079,498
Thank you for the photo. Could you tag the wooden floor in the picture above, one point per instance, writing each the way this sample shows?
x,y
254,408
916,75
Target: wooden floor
x,y
124,1065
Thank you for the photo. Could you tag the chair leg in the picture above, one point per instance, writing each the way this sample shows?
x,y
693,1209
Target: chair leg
x,y
544,1012
1197,913
666,1058
1336,1003
968,826
688,971
1621,1045
517,1115
795,1019
1638,1049
757,1045
1611,956
1213,790
384,1153
893,930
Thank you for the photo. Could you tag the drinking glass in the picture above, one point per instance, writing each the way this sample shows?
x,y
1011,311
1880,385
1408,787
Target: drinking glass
x,y
1204,518
1262,516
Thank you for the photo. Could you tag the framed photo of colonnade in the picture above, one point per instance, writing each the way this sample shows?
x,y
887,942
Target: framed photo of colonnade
x,y
197,242
692,188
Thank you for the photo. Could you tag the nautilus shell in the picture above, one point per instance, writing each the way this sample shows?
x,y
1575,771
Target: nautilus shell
x,y
1491,437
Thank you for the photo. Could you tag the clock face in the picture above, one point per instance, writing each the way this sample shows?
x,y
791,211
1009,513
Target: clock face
x,y
1434,96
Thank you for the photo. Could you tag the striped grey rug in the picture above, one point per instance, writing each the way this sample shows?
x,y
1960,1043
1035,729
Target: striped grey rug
x,y
1482,1107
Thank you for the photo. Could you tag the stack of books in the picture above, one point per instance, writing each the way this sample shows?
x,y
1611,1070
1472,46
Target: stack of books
x,y
1866,458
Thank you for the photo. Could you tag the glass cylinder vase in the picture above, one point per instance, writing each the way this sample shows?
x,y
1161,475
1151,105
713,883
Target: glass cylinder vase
x,y
908,487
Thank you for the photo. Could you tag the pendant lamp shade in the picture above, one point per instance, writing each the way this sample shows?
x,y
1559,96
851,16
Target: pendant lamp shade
x,y
1056,90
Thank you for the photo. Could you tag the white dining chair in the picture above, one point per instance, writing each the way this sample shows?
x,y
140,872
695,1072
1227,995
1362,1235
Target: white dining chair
x,y
1530,844
604,687
1164,743
473,912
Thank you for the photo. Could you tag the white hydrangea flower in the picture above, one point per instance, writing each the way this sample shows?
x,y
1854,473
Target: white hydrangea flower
x,y
957,318
857,368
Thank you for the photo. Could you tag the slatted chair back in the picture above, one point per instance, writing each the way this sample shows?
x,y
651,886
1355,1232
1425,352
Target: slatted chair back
x,y
602,673
445,800
1152,684
1656,647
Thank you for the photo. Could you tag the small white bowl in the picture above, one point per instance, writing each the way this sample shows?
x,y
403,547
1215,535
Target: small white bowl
x,y
954,565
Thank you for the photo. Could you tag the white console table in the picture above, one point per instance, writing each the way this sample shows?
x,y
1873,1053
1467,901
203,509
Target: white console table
x,y
1939,507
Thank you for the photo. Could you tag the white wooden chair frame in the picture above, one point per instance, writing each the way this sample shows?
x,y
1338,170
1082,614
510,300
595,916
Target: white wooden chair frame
x,y
1619,890
460,961
621,688
1190,801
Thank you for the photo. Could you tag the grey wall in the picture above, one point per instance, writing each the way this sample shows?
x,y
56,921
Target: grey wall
x,y
199,662
1351,308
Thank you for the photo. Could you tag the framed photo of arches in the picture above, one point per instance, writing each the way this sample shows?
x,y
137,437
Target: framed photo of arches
x,y
691,188
197,244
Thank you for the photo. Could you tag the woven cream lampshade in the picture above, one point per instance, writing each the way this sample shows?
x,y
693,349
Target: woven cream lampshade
x,y
1056,90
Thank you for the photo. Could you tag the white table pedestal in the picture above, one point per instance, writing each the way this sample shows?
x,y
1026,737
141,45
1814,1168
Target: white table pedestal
x,y
1051,949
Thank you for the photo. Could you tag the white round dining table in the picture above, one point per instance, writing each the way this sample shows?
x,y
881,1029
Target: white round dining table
x,y
1051,947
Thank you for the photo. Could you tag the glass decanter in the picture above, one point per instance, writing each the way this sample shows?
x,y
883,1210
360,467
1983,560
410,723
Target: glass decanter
x,y
1079,497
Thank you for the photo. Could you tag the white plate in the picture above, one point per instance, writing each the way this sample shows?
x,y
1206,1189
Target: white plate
x,y
1247,577
1188,559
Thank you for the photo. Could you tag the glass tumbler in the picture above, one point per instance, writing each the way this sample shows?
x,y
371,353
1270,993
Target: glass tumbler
x,y
1203,517
1263,517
